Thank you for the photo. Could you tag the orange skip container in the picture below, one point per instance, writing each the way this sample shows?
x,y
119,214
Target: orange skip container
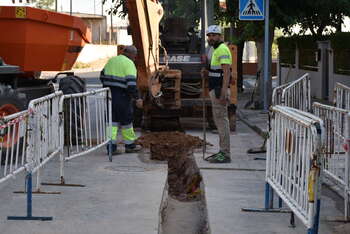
x,y
40,40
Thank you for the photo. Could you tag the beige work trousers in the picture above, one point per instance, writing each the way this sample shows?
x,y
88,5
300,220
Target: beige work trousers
x,y
221,121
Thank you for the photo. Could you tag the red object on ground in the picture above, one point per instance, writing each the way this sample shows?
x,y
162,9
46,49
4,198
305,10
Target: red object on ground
x,y
40,40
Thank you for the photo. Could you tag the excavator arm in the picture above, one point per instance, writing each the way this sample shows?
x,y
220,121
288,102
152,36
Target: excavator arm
x,y
144,19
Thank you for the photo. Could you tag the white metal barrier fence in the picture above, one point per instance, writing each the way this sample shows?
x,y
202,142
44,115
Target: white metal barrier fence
x,y
342,96
294,161
86,121
277,94
13,138
42,142
295,94
85,126
336,162
43,132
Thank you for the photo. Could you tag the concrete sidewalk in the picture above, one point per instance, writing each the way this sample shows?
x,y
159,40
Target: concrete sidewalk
x,y
120,197
240,184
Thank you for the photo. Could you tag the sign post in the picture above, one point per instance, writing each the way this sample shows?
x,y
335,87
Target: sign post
x,y
267,59
259,10
251,10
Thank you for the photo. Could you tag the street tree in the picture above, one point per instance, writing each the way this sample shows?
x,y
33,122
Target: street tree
x,y
317,17
45,4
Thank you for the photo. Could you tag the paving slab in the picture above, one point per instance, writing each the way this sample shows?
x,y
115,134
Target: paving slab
x,y
241,184
120,197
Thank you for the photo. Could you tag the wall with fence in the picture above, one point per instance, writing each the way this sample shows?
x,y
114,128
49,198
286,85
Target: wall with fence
x,y
320,63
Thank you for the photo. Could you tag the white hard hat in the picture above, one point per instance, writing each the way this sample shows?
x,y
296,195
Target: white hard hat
x,y
214,29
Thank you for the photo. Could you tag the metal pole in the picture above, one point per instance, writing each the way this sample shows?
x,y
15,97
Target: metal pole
x,y
71,7
267,58
111,30
203,26
94,7
56,5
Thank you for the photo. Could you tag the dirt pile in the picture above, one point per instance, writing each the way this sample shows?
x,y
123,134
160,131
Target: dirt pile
x,y
177,148
164,145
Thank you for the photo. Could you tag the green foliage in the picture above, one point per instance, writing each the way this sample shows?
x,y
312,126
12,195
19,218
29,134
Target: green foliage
x,y
315,16
45,4
340,40
119,8
341,50
187,9
286,47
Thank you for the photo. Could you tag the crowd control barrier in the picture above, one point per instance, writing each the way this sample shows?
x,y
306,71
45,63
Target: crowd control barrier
x,y
277,94
298,94
13,138
293,166
86,120
342,96
336,162
42,143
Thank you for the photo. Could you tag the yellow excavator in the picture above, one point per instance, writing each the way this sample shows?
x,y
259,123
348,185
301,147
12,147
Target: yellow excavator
x,y
170,79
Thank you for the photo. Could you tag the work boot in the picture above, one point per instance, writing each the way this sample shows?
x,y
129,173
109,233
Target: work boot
x,y
132,148
220,157
114,149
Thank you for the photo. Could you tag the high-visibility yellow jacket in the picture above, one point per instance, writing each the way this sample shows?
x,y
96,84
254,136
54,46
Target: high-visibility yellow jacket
x,y
221,55
120,71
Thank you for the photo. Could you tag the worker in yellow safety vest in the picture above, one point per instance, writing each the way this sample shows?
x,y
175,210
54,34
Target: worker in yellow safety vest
x,y
219,74
119,74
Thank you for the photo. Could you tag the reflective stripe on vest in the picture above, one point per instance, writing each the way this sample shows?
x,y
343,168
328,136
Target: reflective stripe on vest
x,y
221,55
120,71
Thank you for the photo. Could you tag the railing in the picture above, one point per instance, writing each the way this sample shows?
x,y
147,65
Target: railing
x,y
43,133
13,138
277,94
342,96
336,162
294,162
69,126
298,94
87,121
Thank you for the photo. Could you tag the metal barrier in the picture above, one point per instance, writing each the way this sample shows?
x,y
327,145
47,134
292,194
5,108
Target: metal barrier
x,y
13,138
293,166
86,121
294,161
43,134
295,94
42,143
277,94
336,162
342,96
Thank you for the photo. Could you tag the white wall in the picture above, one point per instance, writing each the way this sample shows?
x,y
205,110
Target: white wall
x,y
92,53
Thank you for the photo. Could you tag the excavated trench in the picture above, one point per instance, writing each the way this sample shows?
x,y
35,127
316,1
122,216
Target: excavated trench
x,y
183,207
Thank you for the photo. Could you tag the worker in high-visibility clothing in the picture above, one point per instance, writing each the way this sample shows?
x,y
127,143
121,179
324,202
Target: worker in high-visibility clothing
x,y
219,73
119,74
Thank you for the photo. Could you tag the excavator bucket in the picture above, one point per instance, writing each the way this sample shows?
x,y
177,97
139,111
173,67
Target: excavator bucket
x,y
40,40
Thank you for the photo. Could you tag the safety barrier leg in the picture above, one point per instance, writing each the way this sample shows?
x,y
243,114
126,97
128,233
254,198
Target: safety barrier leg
x,y
29,216
110,151
38,187
268,203
314,229
62,180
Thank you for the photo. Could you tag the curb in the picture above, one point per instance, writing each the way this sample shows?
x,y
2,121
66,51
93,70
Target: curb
x,y
254,127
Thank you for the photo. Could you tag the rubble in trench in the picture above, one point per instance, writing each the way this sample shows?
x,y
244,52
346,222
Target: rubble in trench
x,y
177,148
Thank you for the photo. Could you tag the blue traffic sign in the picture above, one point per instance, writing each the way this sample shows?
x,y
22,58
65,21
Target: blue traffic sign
x,y
251,10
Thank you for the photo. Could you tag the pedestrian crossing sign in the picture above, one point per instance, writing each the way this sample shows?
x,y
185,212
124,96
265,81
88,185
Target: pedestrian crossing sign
x,y
251,10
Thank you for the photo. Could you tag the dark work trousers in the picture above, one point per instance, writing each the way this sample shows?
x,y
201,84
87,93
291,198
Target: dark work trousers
x,y
122,109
